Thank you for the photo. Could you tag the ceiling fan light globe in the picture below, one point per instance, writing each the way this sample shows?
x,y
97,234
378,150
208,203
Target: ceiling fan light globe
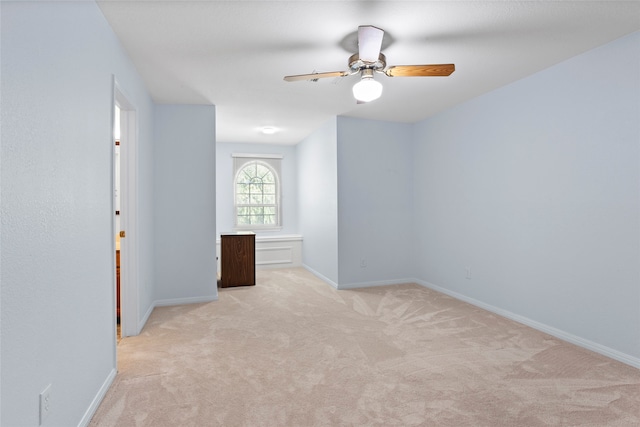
x,y
367,90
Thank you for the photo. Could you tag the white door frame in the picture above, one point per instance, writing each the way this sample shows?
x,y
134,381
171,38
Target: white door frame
x,y
129,283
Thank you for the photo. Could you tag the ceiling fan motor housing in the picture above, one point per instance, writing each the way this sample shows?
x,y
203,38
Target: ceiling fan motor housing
x,y
356,64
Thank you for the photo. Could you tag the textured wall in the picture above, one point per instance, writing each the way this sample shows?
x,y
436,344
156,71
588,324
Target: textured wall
x,y
375,201
57,261
185,202
536,188
318,200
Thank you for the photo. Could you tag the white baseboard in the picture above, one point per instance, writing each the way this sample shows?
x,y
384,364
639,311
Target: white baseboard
x,y
170,302
144,319
95,403
372,284
560,334
320,276
182,301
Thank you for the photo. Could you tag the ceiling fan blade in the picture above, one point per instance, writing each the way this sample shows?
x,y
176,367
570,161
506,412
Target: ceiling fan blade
x,y
420,70
315,76
369,42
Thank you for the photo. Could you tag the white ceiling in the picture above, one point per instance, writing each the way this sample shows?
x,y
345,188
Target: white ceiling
x,y
234,54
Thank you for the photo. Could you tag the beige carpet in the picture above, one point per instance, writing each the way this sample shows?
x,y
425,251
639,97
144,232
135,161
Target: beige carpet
x,y
292,351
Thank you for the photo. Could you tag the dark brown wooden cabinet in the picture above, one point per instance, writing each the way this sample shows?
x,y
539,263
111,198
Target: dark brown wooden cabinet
x,y
238,259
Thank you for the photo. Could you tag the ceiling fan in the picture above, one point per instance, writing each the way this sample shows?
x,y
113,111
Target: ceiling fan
x,y
370,60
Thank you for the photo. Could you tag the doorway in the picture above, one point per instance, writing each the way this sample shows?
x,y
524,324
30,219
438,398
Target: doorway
x,y
118,226
125,213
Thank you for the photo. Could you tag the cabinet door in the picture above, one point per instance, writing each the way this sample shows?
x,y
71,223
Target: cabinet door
x,y
238,261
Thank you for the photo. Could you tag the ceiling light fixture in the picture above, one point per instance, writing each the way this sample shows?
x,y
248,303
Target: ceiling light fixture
x,y
268,130
367,89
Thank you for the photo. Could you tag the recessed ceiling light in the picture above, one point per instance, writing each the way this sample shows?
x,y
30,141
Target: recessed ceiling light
x,y
268,130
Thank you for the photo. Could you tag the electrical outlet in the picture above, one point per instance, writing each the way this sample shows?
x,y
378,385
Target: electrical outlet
x,y
363,262
468,272
45,403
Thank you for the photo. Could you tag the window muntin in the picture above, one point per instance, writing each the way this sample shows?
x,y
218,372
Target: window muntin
x,y
257,201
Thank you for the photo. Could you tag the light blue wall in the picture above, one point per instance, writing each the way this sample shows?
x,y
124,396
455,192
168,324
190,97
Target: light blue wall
x,y
185,203
57,260
375,201
318,201
224,184
536,188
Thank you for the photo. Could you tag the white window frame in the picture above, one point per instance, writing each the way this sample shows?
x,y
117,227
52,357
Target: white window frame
x,y
273,163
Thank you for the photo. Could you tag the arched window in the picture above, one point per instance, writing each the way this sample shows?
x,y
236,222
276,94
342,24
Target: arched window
x,y
257,195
